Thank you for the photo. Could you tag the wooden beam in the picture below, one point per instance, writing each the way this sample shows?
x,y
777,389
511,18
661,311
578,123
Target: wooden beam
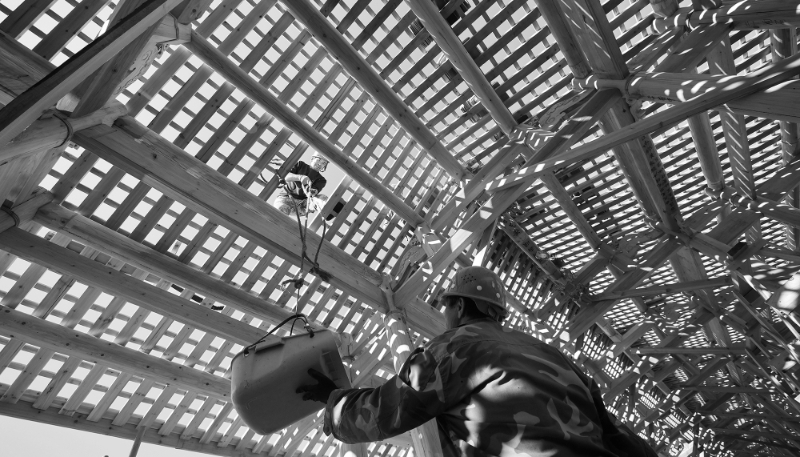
x,y
692,351
21,68
369,80
53,131
99,87
79,227
452,47
469,232
784,45
778,102
23,110
725,389
475,186
738,431
778,211
201,48
720,61
783,254
589,314
638,160
553,14
44,334
161,164
739,87
668,289
518,235
572,132
740,15
67,262
752,416
691,51
190,10
499,203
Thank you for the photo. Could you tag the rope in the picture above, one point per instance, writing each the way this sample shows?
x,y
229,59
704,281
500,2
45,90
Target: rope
x,y
6,208
70,131
297,281
294,318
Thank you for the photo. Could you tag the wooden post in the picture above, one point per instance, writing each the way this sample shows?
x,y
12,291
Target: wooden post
x,y
140,431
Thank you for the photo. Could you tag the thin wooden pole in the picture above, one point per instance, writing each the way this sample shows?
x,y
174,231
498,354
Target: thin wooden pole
x,y
137,441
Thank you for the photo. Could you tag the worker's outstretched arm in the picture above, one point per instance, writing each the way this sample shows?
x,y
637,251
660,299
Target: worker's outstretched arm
x,y
408,400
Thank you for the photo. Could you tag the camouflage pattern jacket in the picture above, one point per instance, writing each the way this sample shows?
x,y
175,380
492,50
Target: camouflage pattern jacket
x,y
493,392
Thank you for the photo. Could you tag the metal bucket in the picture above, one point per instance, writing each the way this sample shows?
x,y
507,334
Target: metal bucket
x,y
264,378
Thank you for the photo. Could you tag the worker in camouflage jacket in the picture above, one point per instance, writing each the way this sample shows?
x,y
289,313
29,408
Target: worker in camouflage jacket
x,y
493,391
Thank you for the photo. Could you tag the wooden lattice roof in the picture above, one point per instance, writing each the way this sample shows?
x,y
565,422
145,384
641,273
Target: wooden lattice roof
x,y
639,203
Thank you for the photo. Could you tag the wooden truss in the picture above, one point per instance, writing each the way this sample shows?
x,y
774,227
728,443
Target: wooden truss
x,y
629,168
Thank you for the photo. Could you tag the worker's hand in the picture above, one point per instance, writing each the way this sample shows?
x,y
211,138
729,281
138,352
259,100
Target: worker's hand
x,y
305,181
319,392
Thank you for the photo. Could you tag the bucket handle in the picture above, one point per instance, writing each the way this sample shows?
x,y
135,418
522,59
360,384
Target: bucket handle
x,y
253,347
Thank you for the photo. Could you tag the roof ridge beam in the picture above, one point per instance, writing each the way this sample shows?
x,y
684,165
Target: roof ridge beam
x,y
369,80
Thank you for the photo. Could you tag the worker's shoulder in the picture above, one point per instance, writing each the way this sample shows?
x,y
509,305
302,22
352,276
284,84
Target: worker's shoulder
x,y
480,334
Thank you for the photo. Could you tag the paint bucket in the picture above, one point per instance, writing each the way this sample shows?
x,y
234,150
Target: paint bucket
x,y
264,378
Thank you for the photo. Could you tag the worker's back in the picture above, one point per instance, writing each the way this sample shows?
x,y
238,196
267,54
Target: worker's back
x,y
514,395
493,392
